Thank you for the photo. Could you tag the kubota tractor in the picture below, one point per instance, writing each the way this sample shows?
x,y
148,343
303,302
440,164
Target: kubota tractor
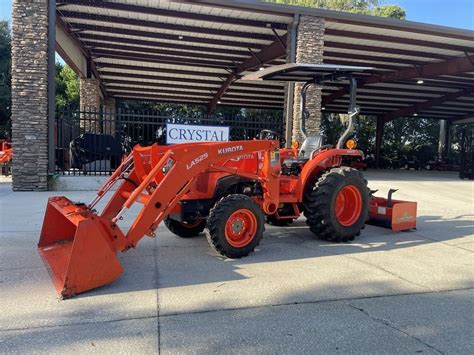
x,y
227,188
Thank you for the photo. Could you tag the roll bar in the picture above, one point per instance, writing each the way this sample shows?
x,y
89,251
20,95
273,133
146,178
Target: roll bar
x,y
353,109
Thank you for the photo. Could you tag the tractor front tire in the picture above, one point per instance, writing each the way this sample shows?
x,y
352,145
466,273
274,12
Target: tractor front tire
x,y
185,229
336,207
235,226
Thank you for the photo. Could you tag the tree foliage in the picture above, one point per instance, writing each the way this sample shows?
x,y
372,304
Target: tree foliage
x,y
67,87
366,7
403,137
5,78
393,11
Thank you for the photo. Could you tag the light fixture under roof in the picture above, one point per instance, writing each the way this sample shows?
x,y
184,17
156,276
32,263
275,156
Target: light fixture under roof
x,y
219,102
261,68
180,37
420,81
323,108
415,114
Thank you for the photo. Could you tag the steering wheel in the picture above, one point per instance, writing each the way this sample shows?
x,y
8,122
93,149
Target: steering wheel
x,y
267,134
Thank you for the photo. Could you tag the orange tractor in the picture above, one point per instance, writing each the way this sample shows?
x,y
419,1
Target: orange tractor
x,y
6,154
227,188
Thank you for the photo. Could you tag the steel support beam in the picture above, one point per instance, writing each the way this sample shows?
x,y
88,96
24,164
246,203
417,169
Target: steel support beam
x,y
365,48
290,91
85,52
93,45
51,83
164,26
443,128
192,73
266,55
432,70
378,140
157,45
464,119
153,10
210,83
183,99
391,39
411,110
166,36
141,57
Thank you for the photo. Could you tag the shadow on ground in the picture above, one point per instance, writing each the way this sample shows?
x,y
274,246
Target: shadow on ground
x,y
418,323
176,257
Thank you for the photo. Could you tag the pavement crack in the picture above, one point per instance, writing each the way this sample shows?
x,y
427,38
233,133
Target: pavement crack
x,y
442,242
76,324
329,300
389,324
341,300
22,268
378,267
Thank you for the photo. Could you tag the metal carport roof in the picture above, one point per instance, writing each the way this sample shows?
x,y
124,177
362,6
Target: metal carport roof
x,y
196,51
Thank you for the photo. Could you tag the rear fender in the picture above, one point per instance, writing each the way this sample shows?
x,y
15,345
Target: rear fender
x,y
323,161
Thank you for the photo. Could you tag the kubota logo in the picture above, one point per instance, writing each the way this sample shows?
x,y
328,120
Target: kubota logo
x,y
237,148
243,157
197,160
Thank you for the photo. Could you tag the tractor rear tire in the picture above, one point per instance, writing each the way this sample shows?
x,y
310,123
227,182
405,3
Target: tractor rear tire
x,y
235,226
336,207
185,229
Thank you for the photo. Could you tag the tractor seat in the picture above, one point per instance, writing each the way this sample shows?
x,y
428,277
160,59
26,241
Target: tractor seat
x,y
310,144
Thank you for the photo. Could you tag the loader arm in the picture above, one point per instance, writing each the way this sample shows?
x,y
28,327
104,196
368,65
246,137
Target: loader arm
x,y
169,179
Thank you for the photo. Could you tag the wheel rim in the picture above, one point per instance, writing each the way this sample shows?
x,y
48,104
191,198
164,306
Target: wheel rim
x,y
240,228
190,225
348,205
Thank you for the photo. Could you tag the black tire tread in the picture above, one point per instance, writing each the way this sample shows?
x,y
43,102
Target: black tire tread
x,y
215,219
175,227
317,204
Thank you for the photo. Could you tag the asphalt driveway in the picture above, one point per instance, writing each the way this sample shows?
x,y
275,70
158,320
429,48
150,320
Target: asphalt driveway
x,y
384,293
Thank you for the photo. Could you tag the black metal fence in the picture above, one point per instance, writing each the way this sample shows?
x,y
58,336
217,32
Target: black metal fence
x,y
93,142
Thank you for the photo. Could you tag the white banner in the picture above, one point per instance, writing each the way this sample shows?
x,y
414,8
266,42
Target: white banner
x,y
183,133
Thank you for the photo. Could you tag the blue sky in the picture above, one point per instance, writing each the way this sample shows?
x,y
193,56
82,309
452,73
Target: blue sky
x,y
452,13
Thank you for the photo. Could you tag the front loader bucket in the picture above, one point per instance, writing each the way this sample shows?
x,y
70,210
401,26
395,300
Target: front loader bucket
x,y
76,248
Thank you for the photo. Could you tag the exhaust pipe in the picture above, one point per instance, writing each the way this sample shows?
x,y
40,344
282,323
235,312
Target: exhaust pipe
x,y
353,112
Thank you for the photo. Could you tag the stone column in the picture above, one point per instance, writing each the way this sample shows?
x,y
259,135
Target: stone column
x,y
89,95
309,49
30,95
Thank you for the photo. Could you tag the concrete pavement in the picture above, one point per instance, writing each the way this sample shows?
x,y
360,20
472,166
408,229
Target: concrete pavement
x,y
386,292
